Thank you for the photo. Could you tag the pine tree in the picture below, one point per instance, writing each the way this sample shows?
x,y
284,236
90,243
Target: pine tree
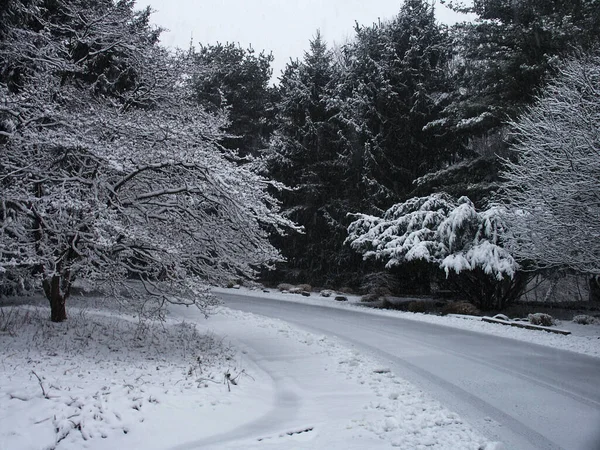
x,y
509,52
501,61
238,79
305,157
393,86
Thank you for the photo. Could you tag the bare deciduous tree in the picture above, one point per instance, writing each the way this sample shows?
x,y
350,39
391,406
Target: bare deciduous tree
x,y
110,170
553,187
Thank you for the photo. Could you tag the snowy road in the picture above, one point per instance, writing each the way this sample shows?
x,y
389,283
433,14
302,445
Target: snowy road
x,y
525,395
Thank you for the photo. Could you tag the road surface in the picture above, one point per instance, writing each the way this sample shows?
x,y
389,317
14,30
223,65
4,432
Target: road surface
x,y
524,395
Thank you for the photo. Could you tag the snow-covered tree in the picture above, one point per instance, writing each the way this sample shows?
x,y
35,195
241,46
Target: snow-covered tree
x,y
391,86
450,234
110,170
238,79
304,155
553,188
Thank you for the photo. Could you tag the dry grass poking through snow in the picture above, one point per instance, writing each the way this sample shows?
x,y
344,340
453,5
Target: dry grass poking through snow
x,y
95,375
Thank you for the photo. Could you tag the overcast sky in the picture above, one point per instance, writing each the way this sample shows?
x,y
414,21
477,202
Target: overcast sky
x,y
283,27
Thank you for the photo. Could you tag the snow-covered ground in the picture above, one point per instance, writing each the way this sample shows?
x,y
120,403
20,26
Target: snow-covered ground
x,y
584,339
234,381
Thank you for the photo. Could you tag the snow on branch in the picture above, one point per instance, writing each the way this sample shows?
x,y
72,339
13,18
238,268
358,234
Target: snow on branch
x,y
111,171
553,186
437,229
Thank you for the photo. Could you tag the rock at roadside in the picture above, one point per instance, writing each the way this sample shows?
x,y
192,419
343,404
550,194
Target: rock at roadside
x,y
502,317
327,293
305,294
341,298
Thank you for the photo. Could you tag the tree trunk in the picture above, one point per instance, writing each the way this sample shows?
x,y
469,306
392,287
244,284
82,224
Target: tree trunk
x,y
57,290
595,289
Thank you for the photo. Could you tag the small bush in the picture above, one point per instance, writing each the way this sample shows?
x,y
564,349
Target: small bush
x,y
584,319
387,304
305,287
369,298
12,319
346,290
380,283
419,307
464,308
545,320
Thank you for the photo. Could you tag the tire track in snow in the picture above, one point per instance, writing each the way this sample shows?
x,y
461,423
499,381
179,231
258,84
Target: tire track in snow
x,y
526,388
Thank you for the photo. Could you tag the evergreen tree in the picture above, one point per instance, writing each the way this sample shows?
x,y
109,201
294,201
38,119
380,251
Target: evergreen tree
x,y
238,79
305,157
501,61
506,55
393,86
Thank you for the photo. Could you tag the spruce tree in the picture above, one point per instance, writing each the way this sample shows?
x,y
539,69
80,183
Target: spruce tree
x,y
393,87
304,155
238,79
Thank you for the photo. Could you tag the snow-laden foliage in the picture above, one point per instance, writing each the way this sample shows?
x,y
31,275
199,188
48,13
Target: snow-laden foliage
x,y
110,169
392,84
437,229
553,190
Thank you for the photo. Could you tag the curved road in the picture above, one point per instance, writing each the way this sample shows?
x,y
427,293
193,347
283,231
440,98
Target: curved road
x,y
524,395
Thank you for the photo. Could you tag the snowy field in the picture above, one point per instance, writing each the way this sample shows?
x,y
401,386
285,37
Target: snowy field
x,y
583,339
102,380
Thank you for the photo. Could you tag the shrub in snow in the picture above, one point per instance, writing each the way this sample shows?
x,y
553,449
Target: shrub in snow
x,y
584,319
464,308
305,287
369,298
467,244
379,283
542,319
420,306
346,290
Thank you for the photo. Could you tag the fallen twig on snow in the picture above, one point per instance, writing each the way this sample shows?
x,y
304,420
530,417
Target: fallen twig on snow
x,y
46,396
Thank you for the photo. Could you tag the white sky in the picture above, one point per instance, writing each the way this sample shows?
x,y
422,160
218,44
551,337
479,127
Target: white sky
x,y
283,27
